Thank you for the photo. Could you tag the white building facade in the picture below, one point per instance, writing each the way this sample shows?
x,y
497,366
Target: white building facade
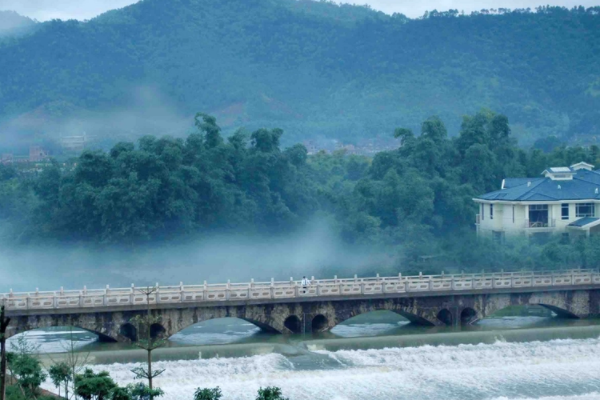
x,y
566,200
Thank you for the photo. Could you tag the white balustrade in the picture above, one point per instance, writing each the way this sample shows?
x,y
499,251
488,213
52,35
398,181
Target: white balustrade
x,y
338,288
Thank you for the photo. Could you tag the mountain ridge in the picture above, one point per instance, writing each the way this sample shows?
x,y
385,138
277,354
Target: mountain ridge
x,y
345,75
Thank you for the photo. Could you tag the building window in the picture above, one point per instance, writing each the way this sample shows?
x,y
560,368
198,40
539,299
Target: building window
x,y
585,210
482,212
564,211
491,211
513,214
538,216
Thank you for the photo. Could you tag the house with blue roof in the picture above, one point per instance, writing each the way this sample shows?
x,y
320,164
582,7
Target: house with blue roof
x,y
563,200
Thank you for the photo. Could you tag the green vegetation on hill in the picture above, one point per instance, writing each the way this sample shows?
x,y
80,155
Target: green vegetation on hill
x,y
317,69
415,201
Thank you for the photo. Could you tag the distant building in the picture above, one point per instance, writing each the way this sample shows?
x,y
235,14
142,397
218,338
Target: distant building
x,y
37,154
7,158
565,200
74,143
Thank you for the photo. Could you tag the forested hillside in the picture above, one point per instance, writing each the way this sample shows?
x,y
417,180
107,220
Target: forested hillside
x,y
415,201
314,68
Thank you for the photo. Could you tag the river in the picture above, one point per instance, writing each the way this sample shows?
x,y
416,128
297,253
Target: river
x,y
374,358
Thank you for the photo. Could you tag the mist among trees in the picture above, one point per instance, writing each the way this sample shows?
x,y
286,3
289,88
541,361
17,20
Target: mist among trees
x,y
416,201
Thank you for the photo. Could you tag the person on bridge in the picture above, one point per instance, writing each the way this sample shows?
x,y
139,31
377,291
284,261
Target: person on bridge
x,y
305,283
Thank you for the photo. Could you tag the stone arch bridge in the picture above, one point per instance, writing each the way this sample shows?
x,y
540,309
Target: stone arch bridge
x,y
287,307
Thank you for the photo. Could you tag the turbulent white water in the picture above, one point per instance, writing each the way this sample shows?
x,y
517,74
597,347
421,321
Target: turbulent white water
x,y
556,370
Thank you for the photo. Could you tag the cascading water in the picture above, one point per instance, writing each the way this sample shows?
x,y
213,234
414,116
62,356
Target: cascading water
x,y
556,369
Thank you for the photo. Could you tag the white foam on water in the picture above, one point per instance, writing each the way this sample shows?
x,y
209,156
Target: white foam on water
x,y
567,368
589,396
479,355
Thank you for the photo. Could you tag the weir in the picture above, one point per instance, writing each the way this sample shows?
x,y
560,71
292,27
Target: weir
x,y
288,307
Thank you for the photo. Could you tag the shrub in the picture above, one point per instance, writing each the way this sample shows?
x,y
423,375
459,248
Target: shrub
x,y
270,393
208,394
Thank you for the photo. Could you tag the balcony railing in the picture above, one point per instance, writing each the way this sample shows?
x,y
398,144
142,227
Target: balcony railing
x,y
551,223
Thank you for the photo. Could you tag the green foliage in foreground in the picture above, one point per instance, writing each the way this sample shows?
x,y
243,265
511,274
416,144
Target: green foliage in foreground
x,y
61,374
97,386
24,368
208,394
414,202
141,391
13,392
270,393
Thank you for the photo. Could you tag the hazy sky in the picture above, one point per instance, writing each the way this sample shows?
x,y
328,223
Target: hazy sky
x,y
43,10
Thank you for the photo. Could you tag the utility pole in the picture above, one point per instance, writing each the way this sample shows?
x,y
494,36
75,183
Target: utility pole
x,y
4,321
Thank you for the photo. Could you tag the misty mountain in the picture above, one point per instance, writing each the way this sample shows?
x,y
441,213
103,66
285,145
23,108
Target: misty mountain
x,y
315,69
13,24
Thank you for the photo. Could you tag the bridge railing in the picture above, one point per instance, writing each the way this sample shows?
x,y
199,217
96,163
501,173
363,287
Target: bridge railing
x,y
108,297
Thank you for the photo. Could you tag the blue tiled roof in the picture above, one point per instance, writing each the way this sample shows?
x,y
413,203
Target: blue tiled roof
x,y
583,186
584,221
512,182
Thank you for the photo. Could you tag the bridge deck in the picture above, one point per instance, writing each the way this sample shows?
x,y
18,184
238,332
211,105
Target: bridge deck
x,y
327,289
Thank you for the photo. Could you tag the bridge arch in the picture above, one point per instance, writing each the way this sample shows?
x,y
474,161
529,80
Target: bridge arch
x,y
560,312
563,304
263,326
413,318
157,331
293,324
169,332
102,325
468,316
129,332
217,331
445,317
319,323
66,334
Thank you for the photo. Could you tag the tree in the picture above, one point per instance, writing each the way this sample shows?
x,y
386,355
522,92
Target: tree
x,y
404,134
149,344
207,124
120,393
4,321
141,391
433,128
270,393
75,361
266,141
25,368
60,374
92,386
208,394
94,168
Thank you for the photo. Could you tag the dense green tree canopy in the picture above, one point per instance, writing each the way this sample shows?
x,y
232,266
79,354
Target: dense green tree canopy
x,y
416,200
